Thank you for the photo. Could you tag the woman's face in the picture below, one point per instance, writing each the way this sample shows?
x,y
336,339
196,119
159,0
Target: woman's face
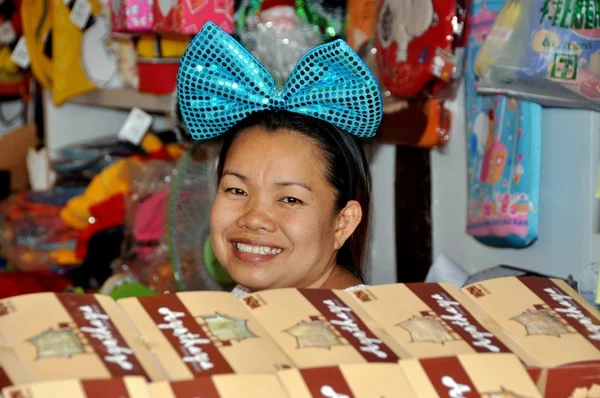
x,y
273,222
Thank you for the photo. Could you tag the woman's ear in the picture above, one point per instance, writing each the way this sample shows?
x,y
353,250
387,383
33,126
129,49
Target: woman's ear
x,y
347,221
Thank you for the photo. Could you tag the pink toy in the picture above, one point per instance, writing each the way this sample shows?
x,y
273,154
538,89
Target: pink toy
x,y
132,16
189,16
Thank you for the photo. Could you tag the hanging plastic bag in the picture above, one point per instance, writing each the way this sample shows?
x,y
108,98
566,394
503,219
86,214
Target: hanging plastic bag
x,y
503,154
546,51
418,44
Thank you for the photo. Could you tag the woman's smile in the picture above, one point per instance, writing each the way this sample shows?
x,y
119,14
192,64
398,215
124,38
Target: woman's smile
x,y
254,252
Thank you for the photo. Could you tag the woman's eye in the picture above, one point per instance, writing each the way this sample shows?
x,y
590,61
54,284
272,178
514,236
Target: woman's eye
x,y
292,201
235,191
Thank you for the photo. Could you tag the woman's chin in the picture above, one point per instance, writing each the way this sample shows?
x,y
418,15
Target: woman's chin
x,y
251,278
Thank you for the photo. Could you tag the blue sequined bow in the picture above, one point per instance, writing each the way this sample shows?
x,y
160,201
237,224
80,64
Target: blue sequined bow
x,y
220,83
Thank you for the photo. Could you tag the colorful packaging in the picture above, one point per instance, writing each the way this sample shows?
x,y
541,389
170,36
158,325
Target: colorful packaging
x,y
221,386
547,51
132,16
416,42
189,16
203,334
62,336
541,313
475,375
503,154
434,320
130,387
354,380
319,328
362,16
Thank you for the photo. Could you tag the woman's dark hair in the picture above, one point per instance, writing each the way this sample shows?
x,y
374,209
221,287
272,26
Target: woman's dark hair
x,y
346,169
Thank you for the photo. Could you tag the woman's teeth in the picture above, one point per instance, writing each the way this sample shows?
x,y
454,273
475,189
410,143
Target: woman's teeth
x,y
257,249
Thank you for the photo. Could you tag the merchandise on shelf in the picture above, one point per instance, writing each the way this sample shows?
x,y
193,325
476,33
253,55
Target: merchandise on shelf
x,y
418,45
545,51
503,152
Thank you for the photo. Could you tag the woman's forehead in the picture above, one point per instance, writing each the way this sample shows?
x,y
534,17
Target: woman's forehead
x,y
282,151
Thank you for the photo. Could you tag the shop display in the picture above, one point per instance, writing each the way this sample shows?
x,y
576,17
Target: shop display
x,y
276,36
188,17
354,380
222,386
418,45
361,20
130,387
486,375
435,320
538,313
503,153
328,335
545,51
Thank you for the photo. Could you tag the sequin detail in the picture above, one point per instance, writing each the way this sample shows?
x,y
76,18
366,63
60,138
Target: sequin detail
x,y
220,83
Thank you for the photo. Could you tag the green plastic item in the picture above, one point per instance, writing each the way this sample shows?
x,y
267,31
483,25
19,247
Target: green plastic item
x,y
214,268
127,290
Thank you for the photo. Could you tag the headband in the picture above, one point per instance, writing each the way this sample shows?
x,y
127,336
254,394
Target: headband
x,y
220,83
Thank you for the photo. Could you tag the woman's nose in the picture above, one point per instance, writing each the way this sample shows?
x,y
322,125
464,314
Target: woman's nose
x,y
257,217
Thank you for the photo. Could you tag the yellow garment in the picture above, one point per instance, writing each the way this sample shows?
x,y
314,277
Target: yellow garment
x,y
70,78
36,16
65,257
151,143
113,180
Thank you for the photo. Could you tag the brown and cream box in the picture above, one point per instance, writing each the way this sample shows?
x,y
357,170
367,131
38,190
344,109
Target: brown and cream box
x,y
221,386
576,380
204,333
349,381
127,387
471,375
318,328
50,336
544,316
432,320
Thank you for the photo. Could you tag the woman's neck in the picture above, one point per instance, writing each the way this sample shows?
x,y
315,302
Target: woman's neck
x,y
337,278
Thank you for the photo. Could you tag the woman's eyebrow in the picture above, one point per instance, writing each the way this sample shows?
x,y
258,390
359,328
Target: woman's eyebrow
x,y
291,183
234,174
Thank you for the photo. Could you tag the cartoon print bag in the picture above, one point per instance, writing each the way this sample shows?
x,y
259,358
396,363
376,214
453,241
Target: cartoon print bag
x,y
504,153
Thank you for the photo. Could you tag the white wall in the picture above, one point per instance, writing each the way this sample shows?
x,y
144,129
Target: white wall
x,y
569,234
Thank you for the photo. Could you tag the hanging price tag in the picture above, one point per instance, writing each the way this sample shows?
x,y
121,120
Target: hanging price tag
x,y
20,54
80,14
136,126
7,33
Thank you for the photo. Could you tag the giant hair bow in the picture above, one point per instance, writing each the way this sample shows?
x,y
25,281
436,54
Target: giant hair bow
x,y
220,83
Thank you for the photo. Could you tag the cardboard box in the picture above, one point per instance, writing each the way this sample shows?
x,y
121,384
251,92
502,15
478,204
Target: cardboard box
x,y
63,336
221,386
576,380
474,375
544,316
130,387
196,334
320,328
434,320
354,380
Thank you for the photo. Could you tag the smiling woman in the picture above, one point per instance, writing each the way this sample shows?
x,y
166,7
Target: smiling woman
x,y
293,201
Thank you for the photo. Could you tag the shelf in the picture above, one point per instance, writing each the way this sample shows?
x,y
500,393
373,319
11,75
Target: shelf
x,y
125,99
